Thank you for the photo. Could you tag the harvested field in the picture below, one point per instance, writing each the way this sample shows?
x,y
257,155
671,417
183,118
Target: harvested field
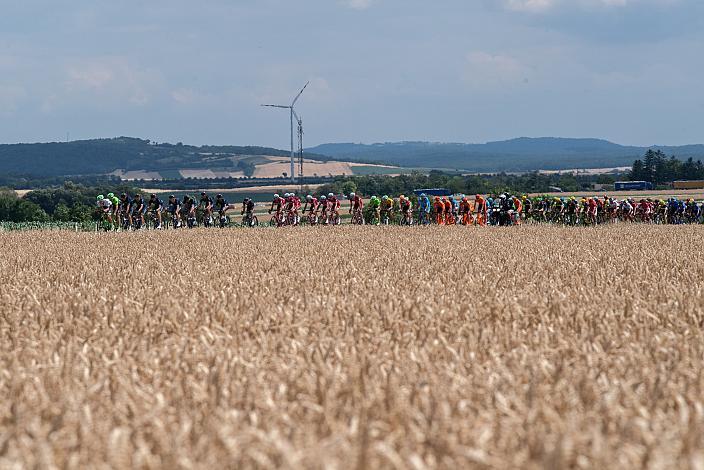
x,y
354,347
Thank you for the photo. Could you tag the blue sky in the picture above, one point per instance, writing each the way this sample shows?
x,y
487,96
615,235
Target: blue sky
x,y
630,71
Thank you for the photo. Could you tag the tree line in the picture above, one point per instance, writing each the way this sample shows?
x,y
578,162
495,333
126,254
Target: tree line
x,y
657,168
70,202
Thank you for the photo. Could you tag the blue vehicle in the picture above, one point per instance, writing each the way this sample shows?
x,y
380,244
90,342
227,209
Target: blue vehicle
x,y
633,186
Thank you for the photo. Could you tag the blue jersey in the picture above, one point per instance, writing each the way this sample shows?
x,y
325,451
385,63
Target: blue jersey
x,y
424,203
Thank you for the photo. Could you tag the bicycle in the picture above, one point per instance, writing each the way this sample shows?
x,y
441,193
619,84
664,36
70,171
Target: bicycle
x,y
125,220
104,223
277,220
357,218
250,220
223,219
312,219
334,219
406,219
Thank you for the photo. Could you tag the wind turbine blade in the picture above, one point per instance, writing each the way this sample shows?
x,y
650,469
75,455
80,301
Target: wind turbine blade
x,y
296,115
299,94
276,106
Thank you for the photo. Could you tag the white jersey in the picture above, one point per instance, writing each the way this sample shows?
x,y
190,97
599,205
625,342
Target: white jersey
x,y
105,204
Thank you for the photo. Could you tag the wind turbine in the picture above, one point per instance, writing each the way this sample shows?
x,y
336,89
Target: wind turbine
x,y
292,112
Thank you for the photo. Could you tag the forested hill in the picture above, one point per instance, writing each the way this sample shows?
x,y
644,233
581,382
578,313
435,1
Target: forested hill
x,y
522,154
101,156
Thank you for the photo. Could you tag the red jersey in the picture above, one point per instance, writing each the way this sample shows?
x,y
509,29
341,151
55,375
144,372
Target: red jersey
x,y
357,202
313,204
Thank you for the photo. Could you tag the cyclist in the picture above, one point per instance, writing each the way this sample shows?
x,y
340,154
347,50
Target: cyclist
x,y
278,204
527,207
174,209
115,208
155,206
288,205
387,209
188,210
105,207
125,208
221,204
480,208
591,210
311,208
356,205
248,209
439,207
334,207
518,207
454,205
375,207
449,211
406,207
296,204
323,206
206,204
424,209
465,211
138,208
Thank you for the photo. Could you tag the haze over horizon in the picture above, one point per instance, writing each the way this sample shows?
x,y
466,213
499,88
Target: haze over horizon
x,y
626,71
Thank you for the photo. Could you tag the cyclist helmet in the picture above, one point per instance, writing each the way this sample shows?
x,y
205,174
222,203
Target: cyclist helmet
x,y
384,198
172,197
123,195
309,198
203,193
322,198
219,196
402,197
292,194
422,195
276,196
111,195
352,195
152,195
331,195
100,198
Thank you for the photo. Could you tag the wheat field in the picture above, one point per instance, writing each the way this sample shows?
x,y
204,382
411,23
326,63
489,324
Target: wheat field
x,y
353,347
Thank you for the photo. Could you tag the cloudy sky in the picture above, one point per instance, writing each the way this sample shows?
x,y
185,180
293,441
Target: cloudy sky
x,y
631,71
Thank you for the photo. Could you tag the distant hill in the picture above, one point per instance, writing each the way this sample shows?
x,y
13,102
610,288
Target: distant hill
x,y
133,158
521,154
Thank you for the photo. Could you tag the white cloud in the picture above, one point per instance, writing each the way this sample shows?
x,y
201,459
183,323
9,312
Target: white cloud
x,y
358,4
112,77
488,71
10,96
539,6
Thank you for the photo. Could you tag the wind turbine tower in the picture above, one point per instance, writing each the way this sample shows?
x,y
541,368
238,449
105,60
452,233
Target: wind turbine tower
x,y
292,114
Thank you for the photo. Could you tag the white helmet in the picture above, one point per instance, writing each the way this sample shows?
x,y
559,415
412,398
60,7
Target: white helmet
x,y
287,195
352,195
276,196
309,197
331,195
292,194
322,198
